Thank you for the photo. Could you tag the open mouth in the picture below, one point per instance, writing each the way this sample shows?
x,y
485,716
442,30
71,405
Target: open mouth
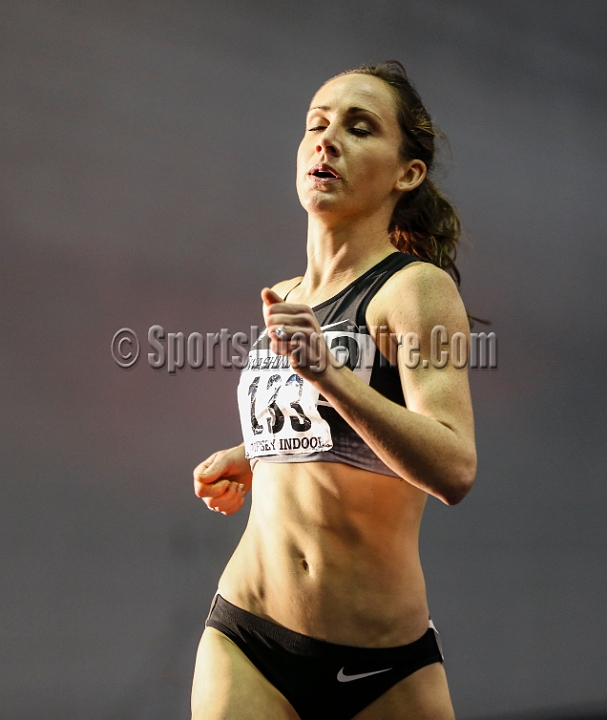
x,y
324,172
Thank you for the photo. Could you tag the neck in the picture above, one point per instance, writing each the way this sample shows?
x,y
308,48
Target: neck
x,y
339,253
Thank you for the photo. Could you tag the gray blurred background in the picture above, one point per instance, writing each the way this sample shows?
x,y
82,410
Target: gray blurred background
x,y
147,163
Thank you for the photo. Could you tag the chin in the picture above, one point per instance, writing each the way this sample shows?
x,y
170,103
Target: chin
x,y
320,202
323,207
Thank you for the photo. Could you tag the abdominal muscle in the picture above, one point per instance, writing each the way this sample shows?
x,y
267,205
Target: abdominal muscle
x,y
331,551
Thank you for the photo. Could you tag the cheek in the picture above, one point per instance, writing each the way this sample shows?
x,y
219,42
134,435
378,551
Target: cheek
x,y
376,169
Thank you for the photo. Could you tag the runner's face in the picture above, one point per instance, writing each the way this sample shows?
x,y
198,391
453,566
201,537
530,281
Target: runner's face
x,y
349,160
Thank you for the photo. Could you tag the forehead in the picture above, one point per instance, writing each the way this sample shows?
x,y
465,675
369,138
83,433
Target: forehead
x,y
363,91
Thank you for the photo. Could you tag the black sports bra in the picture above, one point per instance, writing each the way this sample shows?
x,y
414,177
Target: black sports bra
x,y
284,419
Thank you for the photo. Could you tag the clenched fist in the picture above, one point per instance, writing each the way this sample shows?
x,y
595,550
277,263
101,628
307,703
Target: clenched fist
x,y
223,480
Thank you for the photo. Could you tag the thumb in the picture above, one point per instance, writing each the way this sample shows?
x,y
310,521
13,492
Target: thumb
x,y
209,472
270,297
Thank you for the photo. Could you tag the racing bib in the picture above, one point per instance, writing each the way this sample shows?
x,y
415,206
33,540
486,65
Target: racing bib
x,y
278,408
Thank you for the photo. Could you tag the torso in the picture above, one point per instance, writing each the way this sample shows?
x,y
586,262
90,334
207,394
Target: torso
x,y
331,550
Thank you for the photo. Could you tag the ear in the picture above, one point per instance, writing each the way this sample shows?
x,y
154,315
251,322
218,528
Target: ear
x,y
412,173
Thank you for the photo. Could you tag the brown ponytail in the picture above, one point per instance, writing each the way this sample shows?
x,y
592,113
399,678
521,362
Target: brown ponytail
x,y
424,222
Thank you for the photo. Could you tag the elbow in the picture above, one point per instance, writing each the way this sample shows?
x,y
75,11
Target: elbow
x,y
456,493
460,481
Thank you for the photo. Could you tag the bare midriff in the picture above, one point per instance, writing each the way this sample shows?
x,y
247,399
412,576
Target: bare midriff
x,y
331,551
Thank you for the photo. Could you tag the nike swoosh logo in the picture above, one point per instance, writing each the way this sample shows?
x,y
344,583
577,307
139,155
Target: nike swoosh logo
x,y
348,678
335,324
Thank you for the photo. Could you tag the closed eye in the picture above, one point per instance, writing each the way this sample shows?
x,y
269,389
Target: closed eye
x,y
361,132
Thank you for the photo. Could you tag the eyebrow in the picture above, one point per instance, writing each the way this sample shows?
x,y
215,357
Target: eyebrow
x,y
350,111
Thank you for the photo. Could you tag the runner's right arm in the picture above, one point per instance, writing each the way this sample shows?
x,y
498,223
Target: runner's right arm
x,y
223,480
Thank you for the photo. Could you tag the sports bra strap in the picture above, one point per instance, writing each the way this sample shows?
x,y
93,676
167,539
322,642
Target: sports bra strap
x,y
291,290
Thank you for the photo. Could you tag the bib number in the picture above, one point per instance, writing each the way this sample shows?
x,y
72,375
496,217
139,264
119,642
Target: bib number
x,y
278,409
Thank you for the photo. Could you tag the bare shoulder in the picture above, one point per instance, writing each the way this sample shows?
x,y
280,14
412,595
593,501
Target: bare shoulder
x,y
283,287
419,296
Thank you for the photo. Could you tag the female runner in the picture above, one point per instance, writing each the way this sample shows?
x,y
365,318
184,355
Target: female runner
x,y
349,425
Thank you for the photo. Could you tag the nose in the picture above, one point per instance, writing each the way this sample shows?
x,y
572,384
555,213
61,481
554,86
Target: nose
x,y
328,142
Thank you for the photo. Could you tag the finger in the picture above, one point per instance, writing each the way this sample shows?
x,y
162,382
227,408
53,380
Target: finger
x,y
281,332
232,490
233,508
293,341
212,468
301,319
270,297
269,308
227,508
309,354
284,328
211,490
204,465
285,313
226,499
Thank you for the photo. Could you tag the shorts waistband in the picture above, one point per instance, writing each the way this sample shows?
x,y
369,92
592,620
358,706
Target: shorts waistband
x,y
224,615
